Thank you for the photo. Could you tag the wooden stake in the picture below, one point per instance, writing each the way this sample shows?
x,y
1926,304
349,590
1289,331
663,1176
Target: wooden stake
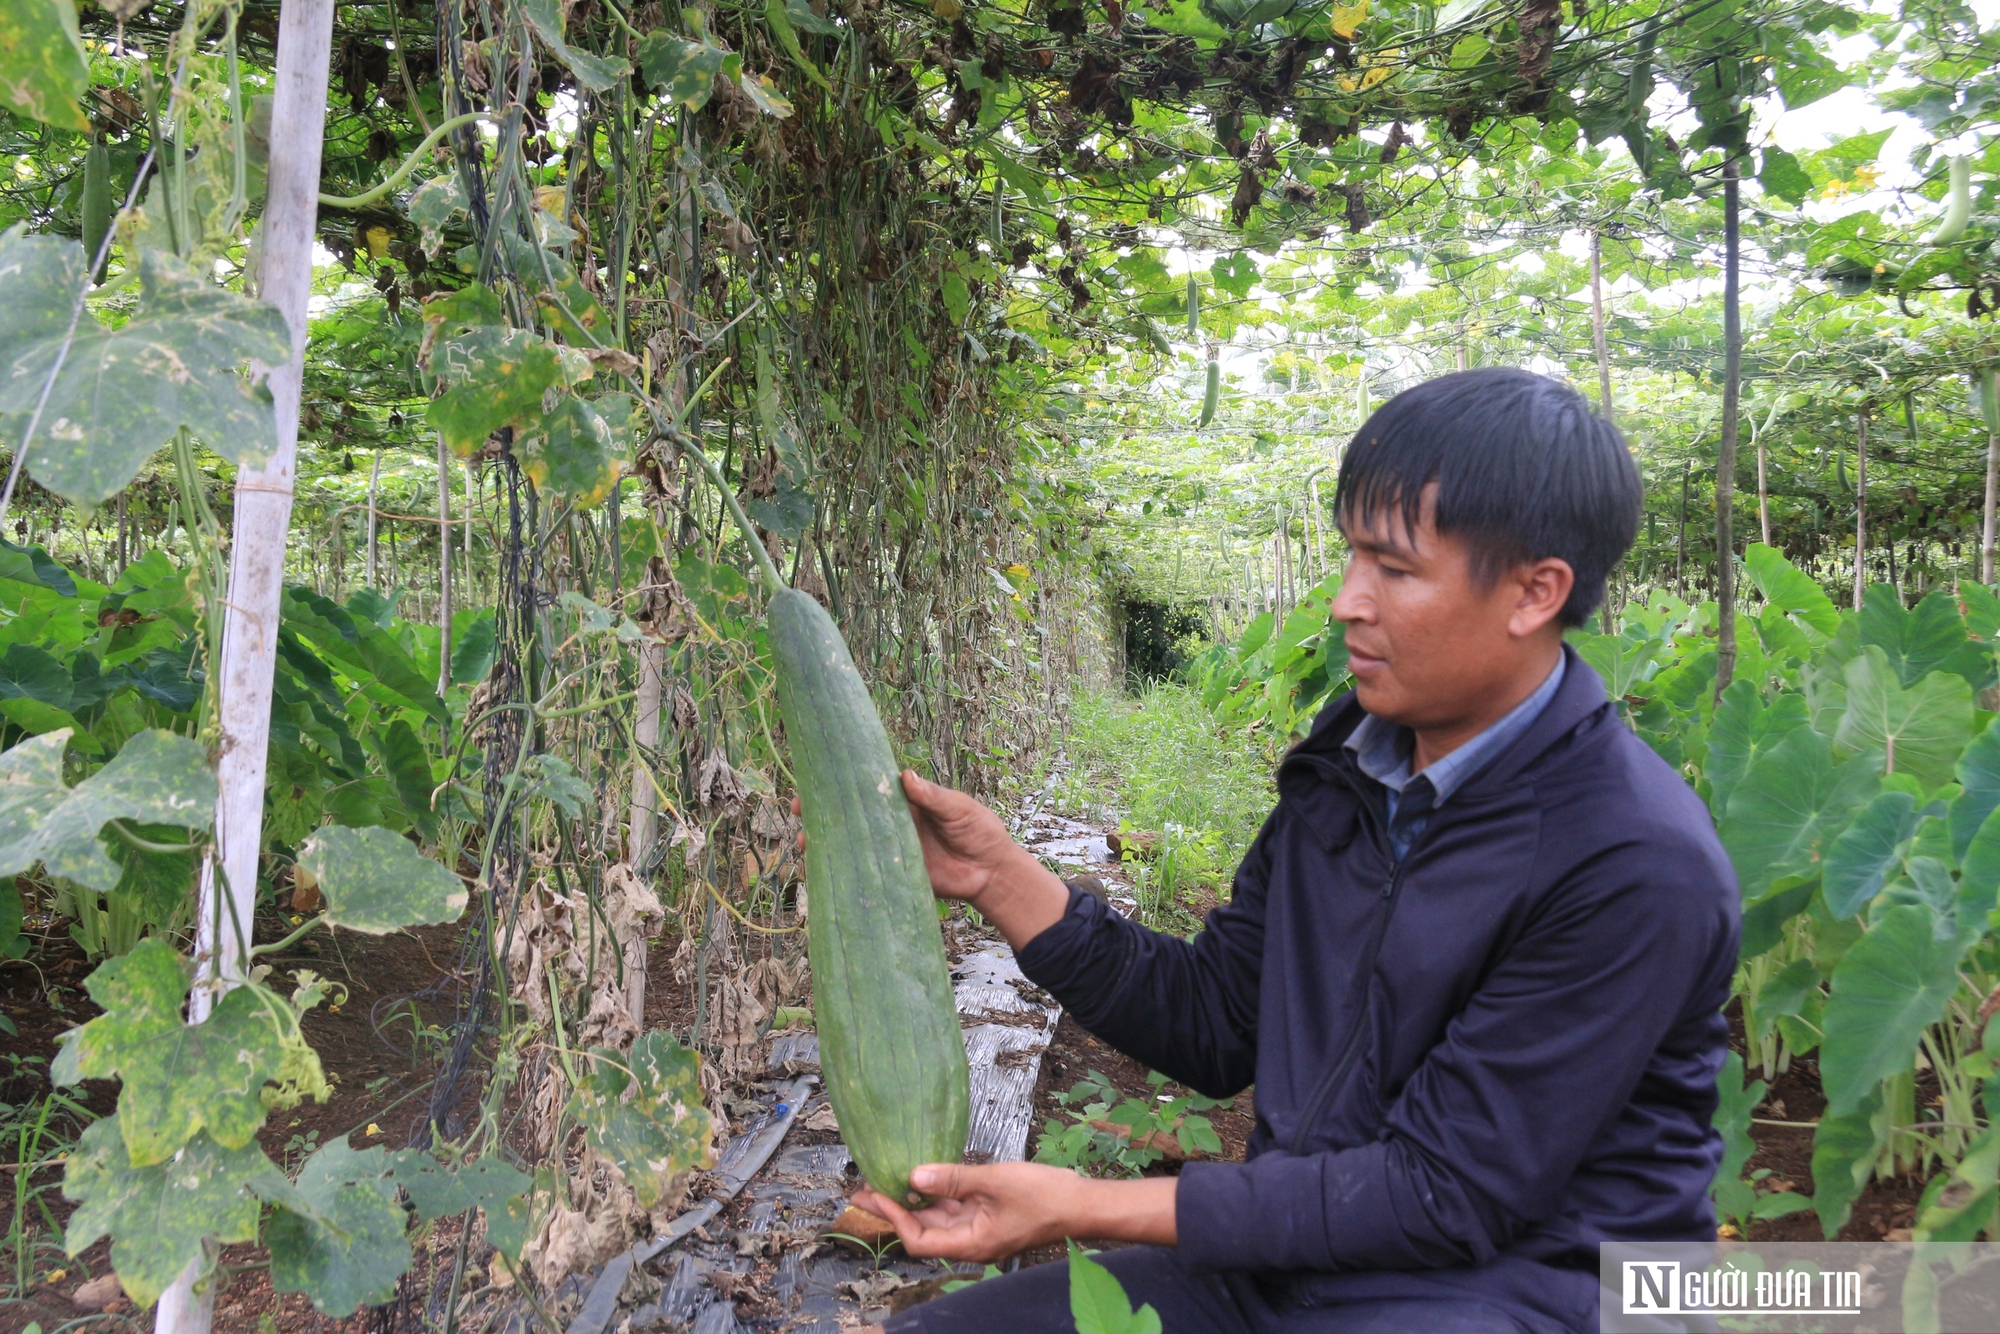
x,y
444,568
257,559
374,483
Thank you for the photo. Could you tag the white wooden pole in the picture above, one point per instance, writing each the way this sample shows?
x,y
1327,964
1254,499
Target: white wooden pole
x,y
374,482
257,555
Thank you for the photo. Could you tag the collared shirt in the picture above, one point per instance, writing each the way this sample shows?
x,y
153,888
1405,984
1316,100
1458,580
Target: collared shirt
x,y
1382,751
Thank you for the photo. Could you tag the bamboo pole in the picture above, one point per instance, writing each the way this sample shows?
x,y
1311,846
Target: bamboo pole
x,y
444,567
1989,403
1597,326
257,559
1860,504
374,483
1725,470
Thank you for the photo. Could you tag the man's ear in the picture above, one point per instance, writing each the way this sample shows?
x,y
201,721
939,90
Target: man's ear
x,y
1544,588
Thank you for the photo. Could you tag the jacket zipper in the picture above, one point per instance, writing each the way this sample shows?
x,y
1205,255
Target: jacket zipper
x,y
1351,1048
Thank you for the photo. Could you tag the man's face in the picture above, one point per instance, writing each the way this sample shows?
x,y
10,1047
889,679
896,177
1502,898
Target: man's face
x,y
1428,644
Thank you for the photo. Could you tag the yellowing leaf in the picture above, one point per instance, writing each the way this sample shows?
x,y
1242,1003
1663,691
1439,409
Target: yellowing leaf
x,y
1347,18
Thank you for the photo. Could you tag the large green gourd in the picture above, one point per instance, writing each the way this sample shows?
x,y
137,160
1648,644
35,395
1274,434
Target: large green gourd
x,y
889,1041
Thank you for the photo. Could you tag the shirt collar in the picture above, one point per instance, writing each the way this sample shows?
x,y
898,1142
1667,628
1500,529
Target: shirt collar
x,y
1382,749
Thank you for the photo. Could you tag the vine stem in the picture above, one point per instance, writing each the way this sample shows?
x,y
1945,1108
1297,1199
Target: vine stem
x,y
402,173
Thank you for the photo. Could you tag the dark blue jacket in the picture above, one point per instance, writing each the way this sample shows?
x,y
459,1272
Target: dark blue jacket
x,y
1471,1067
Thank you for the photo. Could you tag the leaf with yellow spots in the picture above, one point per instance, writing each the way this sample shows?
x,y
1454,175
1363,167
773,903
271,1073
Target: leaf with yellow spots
x,y
493,378
1347,18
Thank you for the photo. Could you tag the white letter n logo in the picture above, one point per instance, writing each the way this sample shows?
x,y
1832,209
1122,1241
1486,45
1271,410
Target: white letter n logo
x,y
1652,1287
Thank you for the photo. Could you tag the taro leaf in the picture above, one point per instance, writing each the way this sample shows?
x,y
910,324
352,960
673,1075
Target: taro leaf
x,y
1865,850
1891,984
1787,588
376,882
158,778
494,378
32,565
1979,782
432,207
1979,879
680,70
594,73
472,655
408,766
158,1215
1920,731
662,1130
1845,1149
437,1190
1744,728
1764,919
122,393
42,66
1735,1104
1929,883
29,673
371,606
576,453
1097,1301
369,655
1620,662
1789,806
1929,638
179,1078
160,880
1786,993
344,1244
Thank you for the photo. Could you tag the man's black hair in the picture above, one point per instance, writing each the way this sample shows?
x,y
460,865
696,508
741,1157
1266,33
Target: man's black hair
x,y
1524,469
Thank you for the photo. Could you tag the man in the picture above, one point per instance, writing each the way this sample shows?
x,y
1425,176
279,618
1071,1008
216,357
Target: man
x,y
1474,963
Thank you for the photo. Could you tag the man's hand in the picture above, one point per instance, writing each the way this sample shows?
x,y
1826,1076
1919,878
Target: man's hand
x,y
988,1213
969,855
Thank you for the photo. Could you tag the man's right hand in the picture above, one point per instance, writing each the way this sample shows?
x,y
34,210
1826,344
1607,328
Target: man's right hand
x,y
969,856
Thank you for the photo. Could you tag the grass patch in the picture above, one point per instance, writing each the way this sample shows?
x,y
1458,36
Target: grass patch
x,y
1159,762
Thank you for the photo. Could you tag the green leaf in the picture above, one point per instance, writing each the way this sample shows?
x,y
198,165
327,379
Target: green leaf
x,y
1890,986
437,1190
1917,642
472,654
376,882
662,1130
32,565
1735,1104
1621,663
1782,176
432,206
1865,850
1978,775
408,766
158,778
1744,728
43,70
594,73
1097,1301
1964,1205
1790,590
122,393
1919,731
784,27
12,944
574,454
1235,273
1789,806
180,1078
493,378
1845,1149
158,1215
1764,919
680,70
349,1249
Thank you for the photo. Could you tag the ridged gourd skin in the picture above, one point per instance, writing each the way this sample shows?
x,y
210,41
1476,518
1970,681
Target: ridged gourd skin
x,y
889,1042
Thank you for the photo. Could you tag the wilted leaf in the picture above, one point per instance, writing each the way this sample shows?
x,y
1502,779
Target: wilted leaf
x,y
438,1190
575,453
662,1130
376,882
433,206
494,377
158,1215
594,73
680,70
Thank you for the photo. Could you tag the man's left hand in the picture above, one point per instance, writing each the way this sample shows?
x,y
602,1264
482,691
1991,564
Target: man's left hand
x,y
986,1213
